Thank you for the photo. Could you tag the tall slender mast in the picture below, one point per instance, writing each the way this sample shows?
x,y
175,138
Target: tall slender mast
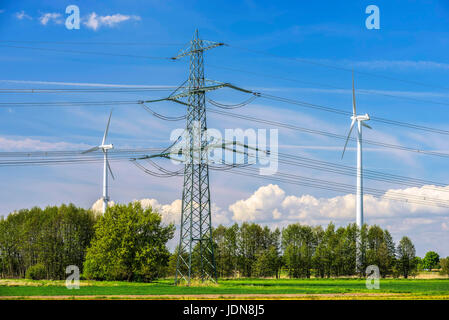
x,y
195,251
105,181
359,193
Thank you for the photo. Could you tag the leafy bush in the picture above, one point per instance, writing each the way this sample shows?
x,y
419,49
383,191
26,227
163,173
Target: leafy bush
x,y
444,266
129,244
36,272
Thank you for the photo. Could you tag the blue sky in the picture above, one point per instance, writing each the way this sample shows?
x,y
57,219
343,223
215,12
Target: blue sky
x,y
411,45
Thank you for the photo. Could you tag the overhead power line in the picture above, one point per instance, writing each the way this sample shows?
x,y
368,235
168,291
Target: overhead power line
x,y
105,90
328,185
86,52
365,91
330,66
325,133
112,43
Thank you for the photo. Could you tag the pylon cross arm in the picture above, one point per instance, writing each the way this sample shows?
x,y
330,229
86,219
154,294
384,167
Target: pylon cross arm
x,y
206,45
186,93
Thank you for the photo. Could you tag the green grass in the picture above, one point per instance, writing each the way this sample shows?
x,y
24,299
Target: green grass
x,y
418,287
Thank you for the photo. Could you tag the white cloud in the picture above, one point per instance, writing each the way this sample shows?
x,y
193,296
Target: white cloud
x,y
95,21
260,206
270,203
22,15
97,207
29,144
171,212
54,17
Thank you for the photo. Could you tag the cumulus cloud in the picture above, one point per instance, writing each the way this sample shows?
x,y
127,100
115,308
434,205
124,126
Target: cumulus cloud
x,y
94,21
51,17
261,206
22,15
171,212
97,207
271,203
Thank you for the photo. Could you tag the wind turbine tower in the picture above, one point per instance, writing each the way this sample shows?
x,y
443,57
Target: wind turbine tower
x,y
104,147
359,119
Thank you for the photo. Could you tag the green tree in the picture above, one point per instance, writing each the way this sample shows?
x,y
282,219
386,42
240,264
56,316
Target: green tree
x,y
299,243
267,263
250,244
444,263
129,244
54,238
406,257
391,253
431,260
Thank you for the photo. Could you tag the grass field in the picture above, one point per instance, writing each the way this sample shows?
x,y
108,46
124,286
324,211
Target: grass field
x,y
231,289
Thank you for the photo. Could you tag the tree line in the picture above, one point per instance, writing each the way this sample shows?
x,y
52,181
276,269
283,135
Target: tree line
x,y
130,243
302,251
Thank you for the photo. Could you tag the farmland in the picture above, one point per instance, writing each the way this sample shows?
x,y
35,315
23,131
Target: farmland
x,y
230,289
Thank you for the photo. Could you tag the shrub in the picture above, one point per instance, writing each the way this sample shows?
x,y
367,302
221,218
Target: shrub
x,y
444,266
129,244
36,272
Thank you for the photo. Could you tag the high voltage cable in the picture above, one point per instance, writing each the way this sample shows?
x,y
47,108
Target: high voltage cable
x,y
351,171
342,112
370,92
340,187
270,122
289,160
73,152
113,90
327,134
265,95
325,186
67,103
306,61
351,187
86,52
347,170
169,58
141,43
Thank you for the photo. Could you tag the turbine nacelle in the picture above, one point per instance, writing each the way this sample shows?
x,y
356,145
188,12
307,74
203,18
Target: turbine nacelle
x,y
364,117
105,147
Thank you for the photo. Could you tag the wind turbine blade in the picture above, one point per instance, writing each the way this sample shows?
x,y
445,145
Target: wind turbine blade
x,y
347,139
353,96
90,150
365,125
110,170
107,128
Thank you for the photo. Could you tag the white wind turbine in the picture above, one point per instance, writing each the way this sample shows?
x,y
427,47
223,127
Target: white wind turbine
x,y
104,147
360,123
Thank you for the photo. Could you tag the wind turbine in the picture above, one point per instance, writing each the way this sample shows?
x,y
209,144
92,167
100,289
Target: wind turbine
x,y
104,147
360,123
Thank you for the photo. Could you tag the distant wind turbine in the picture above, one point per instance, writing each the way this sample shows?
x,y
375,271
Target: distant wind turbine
x,y
104,147
360,123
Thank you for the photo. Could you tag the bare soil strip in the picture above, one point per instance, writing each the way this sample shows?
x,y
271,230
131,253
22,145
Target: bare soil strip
x,y
322,296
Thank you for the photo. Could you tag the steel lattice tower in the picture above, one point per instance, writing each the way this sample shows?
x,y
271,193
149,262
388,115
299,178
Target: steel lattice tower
x,y
195,252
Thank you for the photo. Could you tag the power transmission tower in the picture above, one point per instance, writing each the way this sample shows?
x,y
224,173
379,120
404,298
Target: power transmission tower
x,y
195,241
195,251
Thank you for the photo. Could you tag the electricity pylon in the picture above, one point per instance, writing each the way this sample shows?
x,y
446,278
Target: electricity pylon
x,y
196,227
195,251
